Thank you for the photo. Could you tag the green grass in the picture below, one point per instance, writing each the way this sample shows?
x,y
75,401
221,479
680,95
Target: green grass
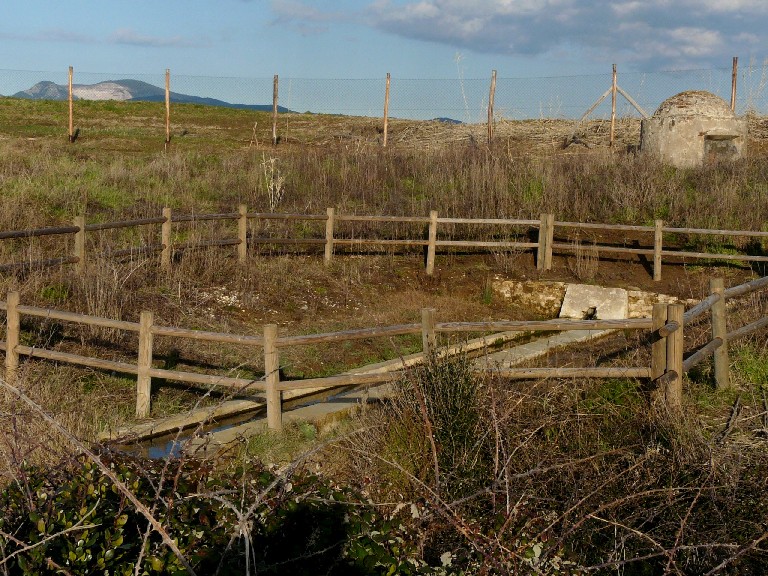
x,y
750,365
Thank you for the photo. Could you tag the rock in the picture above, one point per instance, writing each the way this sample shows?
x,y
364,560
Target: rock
x,y
582,300
542,298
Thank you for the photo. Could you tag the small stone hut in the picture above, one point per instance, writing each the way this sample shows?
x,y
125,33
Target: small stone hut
x,y
693,128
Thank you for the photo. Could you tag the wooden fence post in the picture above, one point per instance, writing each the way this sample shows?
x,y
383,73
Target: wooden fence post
x,y
734,77
675,346
428,337
13,327
165,239
659,343
491,99
432,242
329,224
542,248
167,107
546,237
272,378
720,330
274,110
242,233
71,111
144,380
658,240
613,107
549,242
386,111
79,221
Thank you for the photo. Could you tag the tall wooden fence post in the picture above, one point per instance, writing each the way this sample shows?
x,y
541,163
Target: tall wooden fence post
x,y
432,242
675,346
546,237
428,337
549,241
274,110
329,224
659,343
386,111
491,99
165,239
71,109
242,233
272,378
13,327
542,247
144,380
734,78
658,244
613,106
720,330
167,107
79,253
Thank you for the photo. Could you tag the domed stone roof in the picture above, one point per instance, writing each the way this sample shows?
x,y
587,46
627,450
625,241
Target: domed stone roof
x,y
694,103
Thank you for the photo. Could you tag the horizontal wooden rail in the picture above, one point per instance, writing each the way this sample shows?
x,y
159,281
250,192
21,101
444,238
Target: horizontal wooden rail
x,y
286,241
274,216
208,379
203,217
38,264
136,251
79,318
597,226
586,372
384,242
748,329
544,325
53,231
124,224
340,380
702,353
702,307
356,334
485,244
224,338
747,288
602,249
356,218
76,359
708,231
488,221
713,256
206,244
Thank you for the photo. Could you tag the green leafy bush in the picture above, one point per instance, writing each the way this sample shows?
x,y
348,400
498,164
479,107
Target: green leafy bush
x,y
74,520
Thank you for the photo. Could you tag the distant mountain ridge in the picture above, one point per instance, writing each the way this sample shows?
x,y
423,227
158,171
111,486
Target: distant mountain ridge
x,y
126,90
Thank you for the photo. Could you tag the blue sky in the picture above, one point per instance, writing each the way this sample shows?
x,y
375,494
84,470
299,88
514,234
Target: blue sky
x,y
367,38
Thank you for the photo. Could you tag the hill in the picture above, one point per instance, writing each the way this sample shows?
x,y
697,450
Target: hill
x,y
126,90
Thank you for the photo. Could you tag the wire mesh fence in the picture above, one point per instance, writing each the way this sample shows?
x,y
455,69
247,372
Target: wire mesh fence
x,y
463,100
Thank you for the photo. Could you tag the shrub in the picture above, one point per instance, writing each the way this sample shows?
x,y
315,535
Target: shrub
x,y
74,520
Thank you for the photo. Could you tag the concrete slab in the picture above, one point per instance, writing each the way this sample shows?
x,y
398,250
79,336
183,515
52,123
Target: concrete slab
x,y
537,348
594,302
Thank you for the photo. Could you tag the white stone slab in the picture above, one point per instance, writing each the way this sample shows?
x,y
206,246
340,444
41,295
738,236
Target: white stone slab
x,y
608,303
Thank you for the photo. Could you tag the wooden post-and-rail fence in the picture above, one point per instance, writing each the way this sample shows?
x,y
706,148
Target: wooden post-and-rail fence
x,y
668,360
545,246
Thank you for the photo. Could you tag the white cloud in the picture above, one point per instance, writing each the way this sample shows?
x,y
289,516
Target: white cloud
x,y
650,33
657,33
133,38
